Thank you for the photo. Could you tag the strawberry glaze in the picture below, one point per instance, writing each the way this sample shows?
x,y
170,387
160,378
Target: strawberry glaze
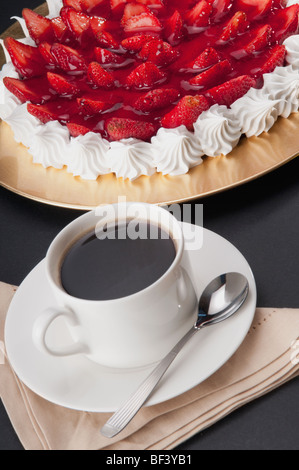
x,y
178,73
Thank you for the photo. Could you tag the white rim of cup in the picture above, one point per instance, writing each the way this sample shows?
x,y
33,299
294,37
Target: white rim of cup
x,y
179,241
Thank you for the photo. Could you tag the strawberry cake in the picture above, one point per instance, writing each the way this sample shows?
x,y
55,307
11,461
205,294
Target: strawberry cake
x,y
144,86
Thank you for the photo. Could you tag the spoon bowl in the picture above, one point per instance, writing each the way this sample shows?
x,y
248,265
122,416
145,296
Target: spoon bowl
x,y
222,297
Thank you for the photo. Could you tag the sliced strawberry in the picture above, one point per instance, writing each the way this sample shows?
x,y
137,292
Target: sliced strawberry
x,y
236,25
27,59
105,39
133,9
254,9
75,4
135,43
89,107
186,112
62,85
79,24
230,91
97,24
145,76
67,58
145,22
173,28
105,57
213,76
61,31
260,39
117,5
123,128
156,99
45,50
275,58
39,27
77,129
64,12
61,109
35,90
285,23
99,77
221,8
43,112
200,14
89,5
154,4
159,52
206,59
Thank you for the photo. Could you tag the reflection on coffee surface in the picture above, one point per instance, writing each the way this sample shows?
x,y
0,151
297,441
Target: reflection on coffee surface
x,y
117,262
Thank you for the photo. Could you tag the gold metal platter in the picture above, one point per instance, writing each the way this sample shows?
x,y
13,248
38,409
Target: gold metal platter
x,y
251,159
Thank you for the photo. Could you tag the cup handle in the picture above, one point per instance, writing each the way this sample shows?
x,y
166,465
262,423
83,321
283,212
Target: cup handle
x,y
184,284
41,326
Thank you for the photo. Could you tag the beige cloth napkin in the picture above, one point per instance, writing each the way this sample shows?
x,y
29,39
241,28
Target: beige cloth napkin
x,y
268,357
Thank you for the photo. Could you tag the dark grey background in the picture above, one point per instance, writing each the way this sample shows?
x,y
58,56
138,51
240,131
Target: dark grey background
x,y
260,218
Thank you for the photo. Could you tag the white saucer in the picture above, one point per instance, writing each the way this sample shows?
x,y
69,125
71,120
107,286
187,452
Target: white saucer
x,y
77,383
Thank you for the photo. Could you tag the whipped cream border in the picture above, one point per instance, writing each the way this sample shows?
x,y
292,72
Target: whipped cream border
x,y
172,151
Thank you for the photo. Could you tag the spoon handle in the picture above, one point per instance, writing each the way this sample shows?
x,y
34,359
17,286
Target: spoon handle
x,y
121,418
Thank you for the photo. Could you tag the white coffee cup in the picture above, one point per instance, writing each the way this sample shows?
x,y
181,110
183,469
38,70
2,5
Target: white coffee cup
x,y
127,332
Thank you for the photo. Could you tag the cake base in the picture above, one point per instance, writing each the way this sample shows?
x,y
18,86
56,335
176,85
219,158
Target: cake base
x,y
251,159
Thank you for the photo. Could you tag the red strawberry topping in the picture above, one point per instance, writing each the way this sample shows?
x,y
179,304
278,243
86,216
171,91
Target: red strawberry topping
x,y
105,39
61,31
135,43
67,58
156,99
158,52
285,23
173,28
101,63
89,5
221,8
229,92
133,9
145,76
105,57
145,22
186,112
79,24
207,58
75,4
122,128
62,85
77,129
35,90
260,39
42,112
200,14
236,25
27,59
99,77
89,107
275,59
45,50
213,76
39,27
254,9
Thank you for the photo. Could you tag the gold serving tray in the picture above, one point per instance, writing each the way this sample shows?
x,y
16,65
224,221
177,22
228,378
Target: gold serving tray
x,y
251,159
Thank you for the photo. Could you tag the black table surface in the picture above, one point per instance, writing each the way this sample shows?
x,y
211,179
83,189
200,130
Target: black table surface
x,y
260,218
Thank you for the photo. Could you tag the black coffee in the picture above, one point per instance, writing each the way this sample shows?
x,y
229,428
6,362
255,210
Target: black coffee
x,y
117,266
